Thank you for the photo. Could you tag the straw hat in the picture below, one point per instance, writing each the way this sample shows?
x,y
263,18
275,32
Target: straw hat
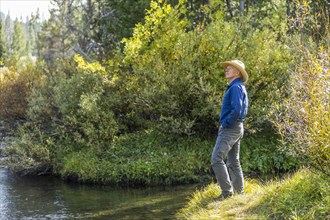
x,y
238,65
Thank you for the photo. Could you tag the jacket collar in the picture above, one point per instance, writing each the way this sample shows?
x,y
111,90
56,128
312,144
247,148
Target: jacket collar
x,y
235,81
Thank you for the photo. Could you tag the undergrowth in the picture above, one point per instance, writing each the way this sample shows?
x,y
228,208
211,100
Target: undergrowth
x,y
141,158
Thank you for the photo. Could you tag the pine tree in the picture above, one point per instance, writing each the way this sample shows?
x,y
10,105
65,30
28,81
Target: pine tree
x,y
57,38
32,36
8,28
18,45
2,42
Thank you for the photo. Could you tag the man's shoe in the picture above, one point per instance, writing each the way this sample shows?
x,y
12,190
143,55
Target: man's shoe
x,y
222,197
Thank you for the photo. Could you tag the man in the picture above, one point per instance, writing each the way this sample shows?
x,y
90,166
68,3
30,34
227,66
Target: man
x,y
233,112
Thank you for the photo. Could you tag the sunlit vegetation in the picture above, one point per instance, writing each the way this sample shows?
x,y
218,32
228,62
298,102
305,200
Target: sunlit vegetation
x,y
304,195
92,96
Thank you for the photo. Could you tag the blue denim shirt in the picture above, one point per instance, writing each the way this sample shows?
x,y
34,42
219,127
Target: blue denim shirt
x,y
234,104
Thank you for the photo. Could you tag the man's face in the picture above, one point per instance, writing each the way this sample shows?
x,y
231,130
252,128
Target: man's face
x,y
232,73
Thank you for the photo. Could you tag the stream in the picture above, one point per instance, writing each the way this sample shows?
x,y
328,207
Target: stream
x,y
46,197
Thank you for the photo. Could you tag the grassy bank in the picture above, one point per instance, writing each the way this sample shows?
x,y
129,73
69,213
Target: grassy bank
x,y
154,158
303,195
145,158
140,158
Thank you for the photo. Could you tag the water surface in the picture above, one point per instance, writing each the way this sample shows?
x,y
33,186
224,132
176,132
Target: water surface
x,y
44,197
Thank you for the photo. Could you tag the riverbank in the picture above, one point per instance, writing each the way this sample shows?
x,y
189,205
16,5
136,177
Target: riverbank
x,y
145,158
303,195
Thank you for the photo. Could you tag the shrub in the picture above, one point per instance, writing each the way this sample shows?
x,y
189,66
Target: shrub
x,y
28,154
15,87
67,113
176,72
304,116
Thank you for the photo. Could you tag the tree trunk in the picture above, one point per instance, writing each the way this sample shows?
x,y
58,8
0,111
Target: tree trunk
x,y
247,6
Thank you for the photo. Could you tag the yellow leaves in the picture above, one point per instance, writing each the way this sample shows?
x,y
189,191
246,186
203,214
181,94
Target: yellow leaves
x,y
132,48
161,20
307,117
305,3
96,68
93,67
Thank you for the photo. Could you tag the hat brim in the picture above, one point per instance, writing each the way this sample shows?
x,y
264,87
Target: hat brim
x,y
245,76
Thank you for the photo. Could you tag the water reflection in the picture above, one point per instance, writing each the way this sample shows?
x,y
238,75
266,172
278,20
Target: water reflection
x,y
50,198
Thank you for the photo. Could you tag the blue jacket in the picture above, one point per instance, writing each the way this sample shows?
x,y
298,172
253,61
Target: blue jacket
x,y
234,104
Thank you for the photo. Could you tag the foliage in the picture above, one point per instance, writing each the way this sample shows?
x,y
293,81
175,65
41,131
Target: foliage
x,y
177,72
140,158
18,44
57,38
154,158
310,19
2,42
127,13
78,107
66,114
168,79
18,40
262,153
15,88
144,158
28,156
305,114
303,195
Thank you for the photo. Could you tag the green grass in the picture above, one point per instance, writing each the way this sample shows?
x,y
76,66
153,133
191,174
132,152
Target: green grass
x,y
146,157
154,158
303,195
140,159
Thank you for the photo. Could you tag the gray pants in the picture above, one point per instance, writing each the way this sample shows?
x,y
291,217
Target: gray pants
x,y
228,145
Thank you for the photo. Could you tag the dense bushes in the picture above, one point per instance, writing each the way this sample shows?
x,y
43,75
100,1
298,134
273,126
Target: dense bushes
x,y
178,72
15,87
168,80
305,115
66,113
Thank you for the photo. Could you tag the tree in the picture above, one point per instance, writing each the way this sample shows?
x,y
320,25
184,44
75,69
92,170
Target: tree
x,y
18,45
32,35
57,38
2,42
99,38
127,14
8,28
